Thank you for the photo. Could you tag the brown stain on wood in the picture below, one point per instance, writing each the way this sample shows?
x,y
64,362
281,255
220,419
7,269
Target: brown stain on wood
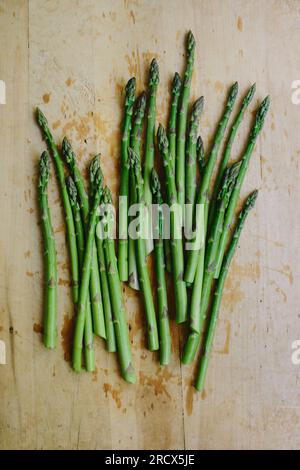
x,y
190,400
203,394
155,382
115,394
46,97
233,293
69,82
225,349
27,254
219,86
239,24
67,336
56,124
64,282
279,290
37,328
95,375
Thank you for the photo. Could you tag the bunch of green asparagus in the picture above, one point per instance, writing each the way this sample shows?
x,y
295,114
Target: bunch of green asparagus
x,y
194,242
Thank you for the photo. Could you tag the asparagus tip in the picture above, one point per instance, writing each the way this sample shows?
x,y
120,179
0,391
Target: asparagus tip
x,y
191,43
67,152
176,85
41,118
72,190
44,170
198,107
130,90
154,73
162,139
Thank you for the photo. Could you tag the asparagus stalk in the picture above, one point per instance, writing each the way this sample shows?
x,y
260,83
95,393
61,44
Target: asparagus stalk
x,y
176,243
85,277
227,151
203,195
255,131
124,182
135,144
149,144
200,377
198,315
176,88
119,315
95,287
190,166
88,327
182,121
42,122
50,303
95,170
200,154
162,298
144,279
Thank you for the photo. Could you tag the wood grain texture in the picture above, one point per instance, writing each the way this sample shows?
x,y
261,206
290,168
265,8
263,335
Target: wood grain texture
x,y
72,58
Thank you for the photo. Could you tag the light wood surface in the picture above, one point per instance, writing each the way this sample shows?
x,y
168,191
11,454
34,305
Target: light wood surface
x,y
72,58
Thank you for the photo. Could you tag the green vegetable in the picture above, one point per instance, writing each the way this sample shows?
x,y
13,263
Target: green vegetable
x,y
255,131
200,297
42,122
144,279
227,151
124,182
190,162
50,302
95,287
79,230
182,121
176,243
135,144
149,143
86,273
162,298
176,88
200,377
119,315
95,169
203,195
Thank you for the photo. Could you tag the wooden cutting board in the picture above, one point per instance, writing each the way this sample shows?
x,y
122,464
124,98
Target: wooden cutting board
x,y
72,58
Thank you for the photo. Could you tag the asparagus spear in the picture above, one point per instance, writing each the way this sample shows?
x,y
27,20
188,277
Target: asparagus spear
x,y
176,88
135,144
200,154
88,326
144,279
176,243
85,276
198,315
124,182
162,298
190,162
95,287
203,195
182,121
95,170
200,377
50,303
255,131
149,144
119,315
42,122
227,151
